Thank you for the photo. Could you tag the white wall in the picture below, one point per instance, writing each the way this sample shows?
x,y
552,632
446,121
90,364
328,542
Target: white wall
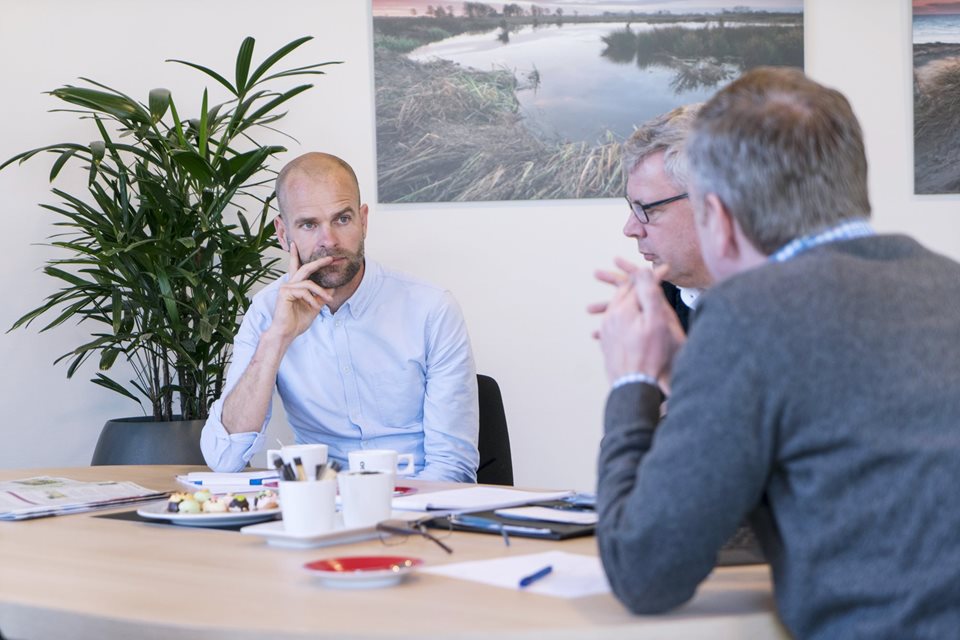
x,y
522,271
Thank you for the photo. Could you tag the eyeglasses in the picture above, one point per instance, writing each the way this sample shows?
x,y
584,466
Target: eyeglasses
x,y
397,531
642,211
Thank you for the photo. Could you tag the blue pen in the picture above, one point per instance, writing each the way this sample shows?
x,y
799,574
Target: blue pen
x,y
526,581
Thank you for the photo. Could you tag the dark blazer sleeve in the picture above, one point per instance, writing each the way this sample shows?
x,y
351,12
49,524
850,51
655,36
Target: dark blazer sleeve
x,y
672,294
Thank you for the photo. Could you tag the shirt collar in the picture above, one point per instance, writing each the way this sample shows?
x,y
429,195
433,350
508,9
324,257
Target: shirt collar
x,y
689,296
847,230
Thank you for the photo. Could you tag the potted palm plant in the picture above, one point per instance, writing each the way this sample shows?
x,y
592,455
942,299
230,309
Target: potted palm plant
x,y
159,254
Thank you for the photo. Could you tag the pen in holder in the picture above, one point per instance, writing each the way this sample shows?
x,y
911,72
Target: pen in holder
x,y
329,471
298,464
286,471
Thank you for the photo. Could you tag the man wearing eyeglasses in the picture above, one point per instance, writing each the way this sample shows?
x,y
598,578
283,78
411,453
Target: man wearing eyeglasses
x,y
661,219
819,390
662,223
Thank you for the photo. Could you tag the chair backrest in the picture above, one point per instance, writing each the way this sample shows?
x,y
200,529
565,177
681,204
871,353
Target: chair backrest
x,y
496,463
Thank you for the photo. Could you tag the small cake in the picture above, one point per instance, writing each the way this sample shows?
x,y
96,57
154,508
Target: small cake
x,y
215,505
266,499
189,505
202,496
173,502
239,503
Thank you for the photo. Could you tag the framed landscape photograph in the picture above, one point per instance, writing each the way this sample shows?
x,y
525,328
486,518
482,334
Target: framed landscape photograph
x,y
936,97
531,100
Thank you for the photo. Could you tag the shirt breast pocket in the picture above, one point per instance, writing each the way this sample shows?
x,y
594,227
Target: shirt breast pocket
x,y
399,397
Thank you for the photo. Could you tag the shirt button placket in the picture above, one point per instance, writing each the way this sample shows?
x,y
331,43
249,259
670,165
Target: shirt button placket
x,y
347,372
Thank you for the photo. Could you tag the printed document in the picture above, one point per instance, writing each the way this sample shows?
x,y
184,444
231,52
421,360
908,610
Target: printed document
x,y
46,496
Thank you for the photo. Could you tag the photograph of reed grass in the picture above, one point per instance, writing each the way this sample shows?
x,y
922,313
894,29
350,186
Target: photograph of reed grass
x,y
531,100
936,97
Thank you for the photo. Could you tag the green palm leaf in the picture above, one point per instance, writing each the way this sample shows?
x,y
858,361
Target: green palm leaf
x,y
157,252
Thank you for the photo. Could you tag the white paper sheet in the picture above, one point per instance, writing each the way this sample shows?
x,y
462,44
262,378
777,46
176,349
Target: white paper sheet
x,y
546,514
473,499
217,482
573,575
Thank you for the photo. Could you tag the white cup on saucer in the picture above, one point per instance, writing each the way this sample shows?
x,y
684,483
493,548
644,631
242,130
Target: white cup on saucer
x,y
381,460
365,497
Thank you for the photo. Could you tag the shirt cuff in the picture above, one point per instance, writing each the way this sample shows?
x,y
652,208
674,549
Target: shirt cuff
x,y
224,451
630,378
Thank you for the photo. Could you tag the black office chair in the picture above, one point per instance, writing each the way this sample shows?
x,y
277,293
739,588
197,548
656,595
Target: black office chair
x,y
496,463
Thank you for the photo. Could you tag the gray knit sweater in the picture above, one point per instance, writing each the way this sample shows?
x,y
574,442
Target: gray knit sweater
x,y
821,397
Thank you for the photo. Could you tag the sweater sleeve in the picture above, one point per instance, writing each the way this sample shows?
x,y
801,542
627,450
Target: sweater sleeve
x,y
672,491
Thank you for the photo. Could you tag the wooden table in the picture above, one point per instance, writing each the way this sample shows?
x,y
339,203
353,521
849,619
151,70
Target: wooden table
x,y
81,576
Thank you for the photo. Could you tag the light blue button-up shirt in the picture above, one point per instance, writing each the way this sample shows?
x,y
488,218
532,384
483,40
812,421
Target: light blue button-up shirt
x,y
391,369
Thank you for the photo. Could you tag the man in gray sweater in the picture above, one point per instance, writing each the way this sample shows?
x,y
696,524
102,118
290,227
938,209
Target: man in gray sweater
x,y
818,391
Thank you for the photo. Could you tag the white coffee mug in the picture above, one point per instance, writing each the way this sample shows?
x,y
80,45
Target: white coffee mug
x,y
365,497
381,460
310,456
309,507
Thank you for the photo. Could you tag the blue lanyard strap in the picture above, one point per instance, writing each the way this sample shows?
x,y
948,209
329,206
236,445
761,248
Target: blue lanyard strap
x,y
844,231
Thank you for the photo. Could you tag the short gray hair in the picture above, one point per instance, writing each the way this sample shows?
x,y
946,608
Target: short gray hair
x,y
667,132
783,153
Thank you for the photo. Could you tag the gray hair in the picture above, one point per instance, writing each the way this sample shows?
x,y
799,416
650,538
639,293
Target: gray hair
x,y
667,132
783,153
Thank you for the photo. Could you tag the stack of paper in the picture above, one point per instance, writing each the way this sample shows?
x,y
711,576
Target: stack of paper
x,y
46,496
249,480
546,514
473,499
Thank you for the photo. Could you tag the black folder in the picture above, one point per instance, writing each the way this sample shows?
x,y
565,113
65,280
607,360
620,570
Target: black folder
x,y
516,527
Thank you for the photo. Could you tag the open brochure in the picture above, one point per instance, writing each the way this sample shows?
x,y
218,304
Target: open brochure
x,y
46,496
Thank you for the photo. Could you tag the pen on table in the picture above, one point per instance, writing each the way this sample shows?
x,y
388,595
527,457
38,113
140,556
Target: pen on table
x,y
526,581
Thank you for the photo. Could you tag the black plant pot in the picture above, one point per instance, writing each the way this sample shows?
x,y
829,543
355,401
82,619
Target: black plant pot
x,y
146,441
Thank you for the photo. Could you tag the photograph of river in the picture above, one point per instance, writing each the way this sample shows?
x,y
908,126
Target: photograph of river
x,y
936,97
531,100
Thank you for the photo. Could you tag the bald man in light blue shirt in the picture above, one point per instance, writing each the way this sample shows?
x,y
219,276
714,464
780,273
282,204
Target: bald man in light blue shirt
x,y
363,357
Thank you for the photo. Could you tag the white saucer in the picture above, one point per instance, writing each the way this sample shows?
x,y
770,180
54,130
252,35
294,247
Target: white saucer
x,y
276,536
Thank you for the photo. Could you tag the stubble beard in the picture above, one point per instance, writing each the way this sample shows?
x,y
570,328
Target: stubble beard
x,y
338,275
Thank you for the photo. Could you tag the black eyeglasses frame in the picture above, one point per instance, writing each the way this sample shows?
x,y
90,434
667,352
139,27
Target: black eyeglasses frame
x,y
642,210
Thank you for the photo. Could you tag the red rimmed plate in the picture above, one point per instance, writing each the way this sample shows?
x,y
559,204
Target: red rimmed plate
x,y
363,572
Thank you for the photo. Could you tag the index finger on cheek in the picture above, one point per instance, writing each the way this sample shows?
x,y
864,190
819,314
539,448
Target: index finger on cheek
x,y
294,259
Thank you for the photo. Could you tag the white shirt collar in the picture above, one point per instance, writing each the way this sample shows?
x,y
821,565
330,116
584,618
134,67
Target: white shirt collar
x,y
689,296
